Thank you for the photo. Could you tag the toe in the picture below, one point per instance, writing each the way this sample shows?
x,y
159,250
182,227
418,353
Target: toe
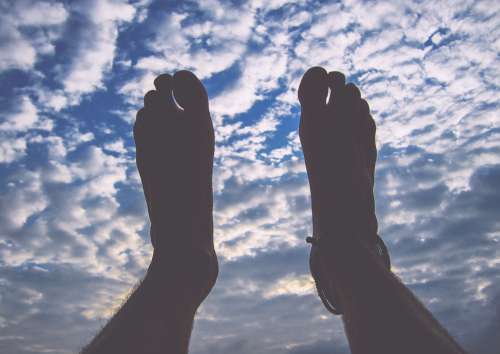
x,y
139,122
344,105
164,85
312,93
352,92
147,124
336,82
154,109
143,119
352,105
313,88
191,95
151,100
189,92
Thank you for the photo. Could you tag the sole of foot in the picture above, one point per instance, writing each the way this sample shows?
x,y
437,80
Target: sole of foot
x,y
174,140
338,141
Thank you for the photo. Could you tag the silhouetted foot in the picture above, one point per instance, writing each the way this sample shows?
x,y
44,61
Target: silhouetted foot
x,y
175,149
338,140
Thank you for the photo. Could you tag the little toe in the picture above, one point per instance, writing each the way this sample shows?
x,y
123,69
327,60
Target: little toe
x,y
144,118
189,92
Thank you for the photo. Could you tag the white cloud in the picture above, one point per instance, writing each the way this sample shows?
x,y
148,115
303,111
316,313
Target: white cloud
x,y
23,118
260,73
23,199
63,199
330,51
16,52
291,285
116,146
31,13
96,49
183,50
12,149
19,49
57,102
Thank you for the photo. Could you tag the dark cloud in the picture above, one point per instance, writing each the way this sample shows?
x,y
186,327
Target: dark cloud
x,y
41,304
320,347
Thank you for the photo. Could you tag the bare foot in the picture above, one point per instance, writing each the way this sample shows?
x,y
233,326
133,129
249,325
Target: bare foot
x,y
381,315
338,140
175,148
174,155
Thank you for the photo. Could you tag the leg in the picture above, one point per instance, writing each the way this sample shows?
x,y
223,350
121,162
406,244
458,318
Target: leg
x,y
381,315
174,156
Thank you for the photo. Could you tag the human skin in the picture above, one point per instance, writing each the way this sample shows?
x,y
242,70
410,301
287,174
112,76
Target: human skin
x,y
380,314
174,155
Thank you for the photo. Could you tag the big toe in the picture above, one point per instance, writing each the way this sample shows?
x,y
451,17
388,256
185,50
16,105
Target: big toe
x,y
189,92
313,88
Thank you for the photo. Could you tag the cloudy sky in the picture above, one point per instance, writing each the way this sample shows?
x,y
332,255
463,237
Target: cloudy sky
x,y
73,224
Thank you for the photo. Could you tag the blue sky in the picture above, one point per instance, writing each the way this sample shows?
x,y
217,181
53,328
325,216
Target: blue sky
x,y
73,224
